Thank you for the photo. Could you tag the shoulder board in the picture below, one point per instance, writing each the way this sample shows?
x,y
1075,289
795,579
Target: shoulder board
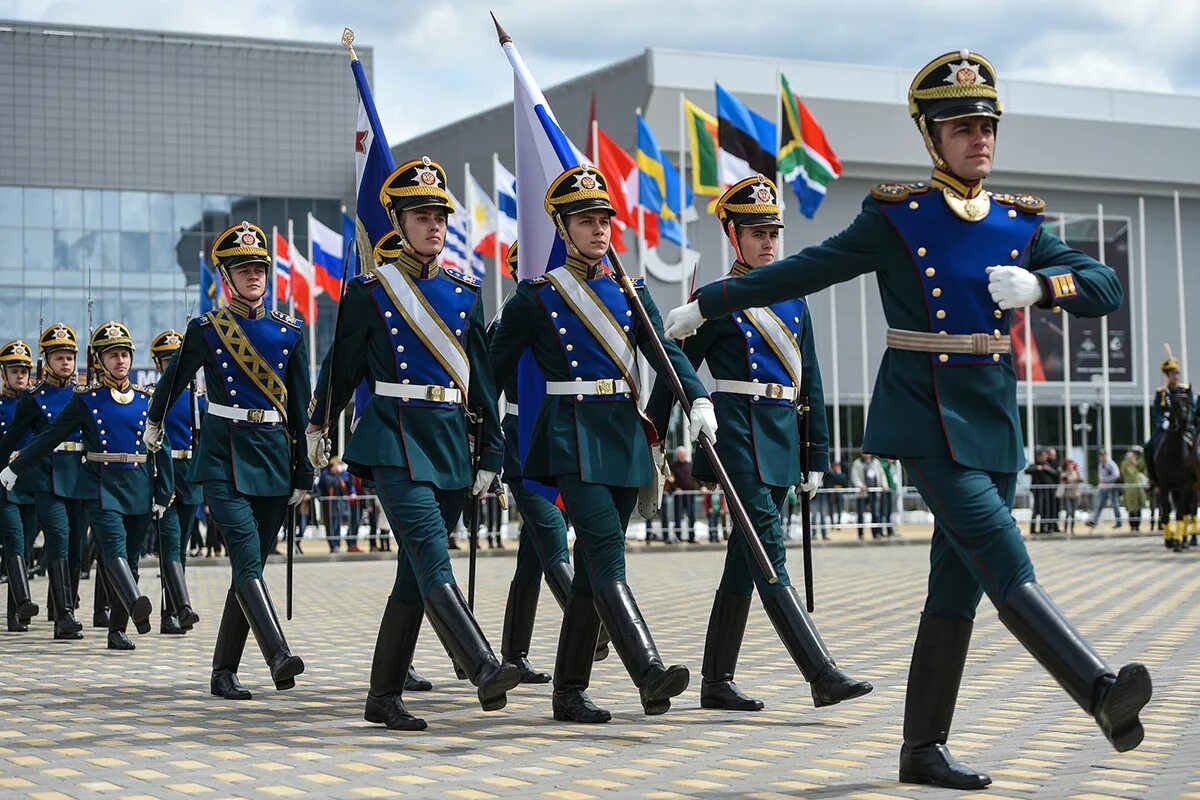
x,y
204,319
462,278
146,390
37,386
895,192
1028,203
367,277
536,280
282,317
83,388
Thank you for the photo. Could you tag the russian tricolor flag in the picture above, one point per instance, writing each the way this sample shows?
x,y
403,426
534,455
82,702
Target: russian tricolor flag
x,y
327,249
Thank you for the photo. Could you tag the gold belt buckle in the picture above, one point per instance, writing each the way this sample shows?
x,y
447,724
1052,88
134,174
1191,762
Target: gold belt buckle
x,y
775,391
256,415
605,386
436,394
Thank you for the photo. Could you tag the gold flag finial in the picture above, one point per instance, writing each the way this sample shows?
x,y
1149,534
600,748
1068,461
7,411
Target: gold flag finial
x,y
348,43
503,34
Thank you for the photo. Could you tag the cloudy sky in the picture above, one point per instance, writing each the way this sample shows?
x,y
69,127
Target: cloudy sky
x,y
437,60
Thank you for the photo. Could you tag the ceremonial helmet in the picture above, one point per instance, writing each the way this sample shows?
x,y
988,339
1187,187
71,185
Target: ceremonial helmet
x,y
510,261
581,188
109,335
165,344
420,183
750,203
1170,363
16,354
952,86
58,336
238,245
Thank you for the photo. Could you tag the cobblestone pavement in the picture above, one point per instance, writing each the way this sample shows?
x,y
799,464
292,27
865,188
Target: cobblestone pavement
x,y
79,721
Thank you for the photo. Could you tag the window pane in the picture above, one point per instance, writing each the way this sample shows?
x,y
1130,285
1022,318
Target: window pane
x,y
111,202
10,206
93,214
162,252
39,249
135,252
68,208
135,211
72,249
39,208
162,212
10,248
187,212
110,251
216,202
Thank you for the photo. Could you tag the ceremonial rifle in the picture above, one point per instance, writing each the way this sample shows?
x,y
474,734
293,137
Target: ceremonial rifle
x,y
805,503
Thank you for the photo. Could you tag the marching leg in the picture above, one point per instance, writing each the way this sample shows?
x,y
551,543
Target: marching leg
x,y
260,613
656,683
726,626
394,648
100,596
519,615
573,663
227,654
447,609
65,626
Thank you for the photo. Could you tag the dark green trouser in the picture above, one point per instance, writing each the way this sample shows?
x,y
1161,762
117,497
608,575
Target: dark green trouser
x,y
543,535
250,526
174,531
120,535
742,573
600,515
64,524
421,516
976,545
16,519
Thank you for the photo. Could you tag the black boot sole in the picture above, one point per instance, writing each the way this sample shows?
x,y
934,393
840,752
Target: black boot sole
x,y
140,614
927,780
188,620
1118,715
285,674
493,695
28,611
656,699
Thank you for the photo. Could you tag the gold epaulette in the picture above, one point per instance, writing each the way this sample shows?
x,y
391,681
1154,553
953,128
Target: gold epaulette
x,y
367,277
536,280
146,390
284,318
895,192
1027,203
473,282
81,388
204,319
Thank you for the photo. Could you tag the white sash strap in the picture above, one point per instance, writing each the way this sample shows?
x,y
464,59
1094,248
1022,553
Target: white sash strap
x,y
780,339
426,323
598,319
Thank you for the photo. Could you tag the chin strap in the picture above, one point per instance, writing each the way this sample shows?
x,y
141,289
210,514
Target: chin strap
x,y
923,126
566,237
731,231
405,246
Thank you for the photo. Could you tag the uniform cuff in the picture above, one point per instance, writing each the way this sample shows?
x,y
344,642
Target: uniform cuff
x,y
1057,285
492,461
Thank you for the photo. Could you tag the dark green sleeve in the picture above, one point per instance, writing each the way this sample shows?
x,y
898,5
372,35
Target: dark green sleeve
x,y
183,366
692,386
164,476
346,362
69,420
26,417
481,396
1093,289
811,387
514,334
662,399
847,255
299,389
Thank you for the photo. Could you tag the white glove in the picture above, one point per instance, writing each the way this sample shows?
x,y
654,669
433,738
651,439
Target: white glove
x,y
703,419
1013,287
682,322
650,496
483,481
297,497
158,511
317,448
153,436
812,483
8,478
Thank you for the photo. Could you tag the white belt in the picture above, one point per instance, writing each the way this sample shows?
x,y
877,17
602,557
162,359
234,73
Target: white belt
x,y
68,447
417,391
605,386
256,415
181,454
511,409
772,391
116,458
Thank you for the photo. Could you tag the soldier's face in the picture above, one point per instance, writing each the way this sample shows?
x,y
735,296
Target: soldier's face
x,y
61,363
591,233
17,378
968,145
1173,378
249,280
116,361
759,245
425,230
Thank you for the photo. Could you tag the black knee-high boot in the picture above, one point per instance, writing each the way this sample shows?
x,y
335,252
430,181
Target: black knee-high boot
x,y
726,626
260,613
65,626
227,654
460,633
100,598
573,663
656,683
394,649
118,618
181,601
123,590
24,609
559,578
519,614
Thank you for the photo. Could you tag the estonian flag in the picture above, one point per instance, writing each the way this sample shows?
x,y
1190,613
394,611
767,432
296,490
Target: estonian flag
x,y
747,140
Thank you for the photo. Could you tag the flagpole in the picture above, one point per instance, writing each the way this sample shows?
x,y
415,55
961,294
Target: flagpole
x,y
1106,382
778,139
1067,376
1183,342
862,313
643,364
837,390
1145,321
498,258
469,211
274,263
684,282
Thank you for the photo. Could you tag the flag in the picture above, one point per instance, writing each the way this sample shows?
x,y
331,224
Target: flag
x,y
702,130
747,140
327,247
806,160
373,163
457,253
349,251
483,215
282,267
622,173
506,203
289,259
658,185
210,287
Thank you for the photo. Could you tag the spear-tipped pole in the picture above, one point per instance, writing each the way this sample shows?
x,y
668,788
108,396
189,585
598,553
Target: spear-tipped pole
x,y
500,32
348,43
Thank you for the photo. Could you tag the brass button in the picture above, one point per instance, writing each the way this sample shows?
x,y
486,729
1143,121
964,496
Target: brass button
x,y
930,272
996,333
936,292
995,356
921,251
1012,212
941,314
914,205
943,358
1057,309
1015,253
997,313
942,333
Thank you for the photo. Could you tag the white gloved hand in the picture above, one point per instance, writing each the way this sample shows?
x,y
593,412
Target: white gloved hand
x,y
297,497
684,321
1013,287
483,481
650,495
812,483
8,478
158,511
317,448
152,436
703,419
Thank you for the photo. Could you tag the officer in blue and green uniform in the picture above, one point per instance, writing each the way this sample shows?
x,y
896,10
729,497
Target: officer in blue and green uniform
x,y
415,331
543,545
952,260
56,479
764,361
1160,409
250,460
175,530
589,439
17,512
124,488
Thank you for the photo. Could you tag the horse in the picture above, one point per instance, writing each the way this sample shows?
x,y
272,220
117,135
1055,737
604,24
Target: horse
x,y
1175,470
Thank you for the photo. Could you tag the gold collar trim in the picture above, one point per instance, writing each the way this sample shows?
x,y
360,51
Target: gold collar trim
x,y
415,267
583,269
245,310
739,268
944,180
8,391
51,379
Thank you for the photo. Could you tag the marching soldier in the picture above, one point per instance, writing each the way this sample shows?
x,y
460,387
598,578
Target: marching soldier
x,y
175,530
590,439
763,361
416,331
1160,410
250,459
543,546
946,397
17,512
56,480
124,488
